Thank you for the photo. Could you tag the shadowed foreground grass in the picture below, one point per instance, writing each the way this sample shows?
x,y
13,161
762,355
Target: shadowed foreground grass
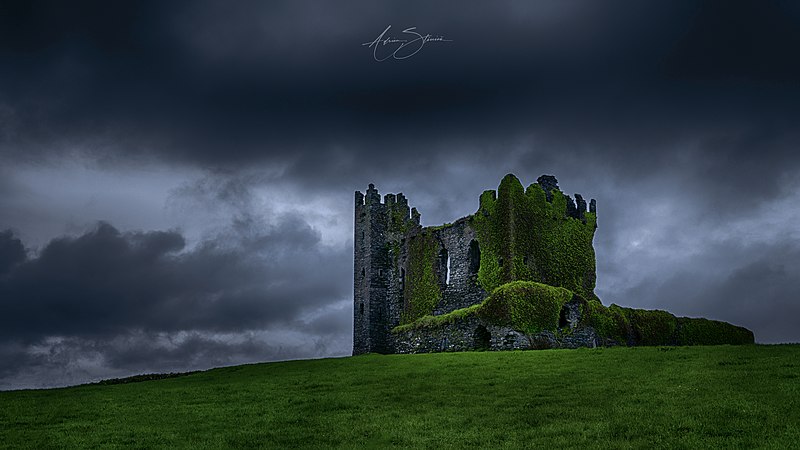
x,y
745,396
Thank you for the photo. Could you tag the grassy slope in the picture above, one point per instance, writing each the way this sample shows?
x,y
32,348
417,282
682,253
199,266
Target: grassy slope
x,y
615,397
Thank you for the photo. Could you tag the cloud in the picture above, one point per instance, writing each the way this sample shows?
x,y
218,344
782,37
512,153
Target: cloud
x,y
12,252
128,288
105,281
239,85
252,124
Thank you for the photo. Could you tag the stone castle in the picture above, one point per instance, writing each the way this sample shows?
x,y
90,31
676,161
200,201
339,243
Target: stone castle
x,y
517,274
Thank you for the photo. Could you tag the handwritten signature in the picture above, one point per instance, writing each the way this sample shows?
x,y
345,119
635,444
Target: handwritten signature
x,y
385,47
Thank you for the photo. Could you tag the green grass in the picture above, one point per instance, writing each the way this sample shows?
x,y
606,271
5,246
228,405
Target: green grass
x,y
640,397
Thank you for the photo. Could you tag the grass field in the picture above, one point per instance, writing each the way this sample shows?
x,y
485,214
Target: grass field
x,y
689,397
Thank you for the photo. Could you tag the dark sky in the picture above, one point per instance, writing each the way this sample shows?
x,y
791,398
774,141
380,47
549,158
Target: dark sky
x,y
176,178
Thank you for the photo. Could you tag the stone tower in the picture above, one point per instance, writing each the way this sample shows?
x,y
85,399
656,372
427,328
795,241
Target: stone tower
x,y
519,273
379,230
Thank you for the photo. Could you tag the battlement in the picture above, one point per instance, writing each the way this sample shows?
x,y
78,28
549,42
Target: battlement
x,y
395,204
403,271
519,273
575,207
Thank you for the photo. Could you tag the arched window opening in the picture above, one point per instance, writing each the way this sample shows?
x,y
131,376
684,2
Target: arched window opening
x,y
380,273
361,309
444,265
363,273
474,257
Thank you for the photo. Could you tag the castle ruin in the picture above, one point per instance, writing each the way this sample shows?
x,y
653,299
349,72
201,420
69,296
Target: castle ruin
x,y
519,273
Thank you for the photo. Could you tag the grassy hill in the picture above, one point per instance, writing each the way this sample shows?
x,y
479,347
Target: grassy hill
x,y
726,396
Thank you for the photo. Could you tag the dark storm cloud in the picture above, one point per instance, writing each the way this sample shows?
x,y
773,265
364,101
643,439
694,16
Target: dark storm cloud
x,y
113,294
242,82
679,117
744,40
106,282
12,252
611,84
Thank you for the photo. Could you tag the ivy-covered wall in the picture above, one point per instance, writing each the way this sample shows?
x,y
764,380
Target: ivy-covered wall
x,y
421,291
523,236
526,306
536,311
628,326
521,269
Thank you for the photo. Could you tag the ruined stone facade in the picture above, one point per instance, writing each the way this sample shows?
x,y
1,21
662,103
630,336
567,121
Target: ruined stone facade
x,y
385,228
407,277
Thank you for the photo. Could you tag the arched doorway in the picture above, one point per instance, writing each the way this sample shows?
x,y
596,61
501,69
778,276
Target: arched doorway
x,y
481,338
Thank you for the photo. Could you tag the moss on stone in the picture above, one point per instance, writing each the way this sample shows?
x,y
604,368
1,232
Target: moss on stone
x,y
525,306
524,237
398,220
439,227
652,327
535,257
430,322
422,292
630,326
711,332
522,305
487,226
655,327
609,322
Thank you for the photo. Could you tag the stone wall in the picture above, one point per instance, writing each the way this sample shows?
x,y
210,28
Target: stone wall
x,y
475,334
404,273
380,245
382,235
470,334
460,289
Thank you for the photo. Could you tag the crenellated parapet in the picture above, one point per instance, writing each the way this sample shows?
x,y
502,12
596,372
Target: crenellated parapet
x,y
393,209
518,273
403,271
381,225
575,208
535,234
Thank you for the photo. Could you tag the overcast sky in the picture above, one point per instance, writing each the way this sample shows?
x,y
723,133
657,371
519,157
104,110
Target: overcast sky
x,y
176,178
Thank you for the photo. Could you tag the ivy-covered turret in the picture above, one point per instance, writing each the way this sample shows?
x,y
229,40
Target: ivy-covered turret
x,y
535,234
519,273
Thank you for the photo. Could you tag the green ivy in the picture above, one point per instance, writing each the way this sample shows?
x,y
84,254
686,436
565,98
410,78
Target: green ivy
x,y
398,220
526,306
429,322
422,292
487,228
524,237
655,327
534,258
711,332
609,322
439,227
652,327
